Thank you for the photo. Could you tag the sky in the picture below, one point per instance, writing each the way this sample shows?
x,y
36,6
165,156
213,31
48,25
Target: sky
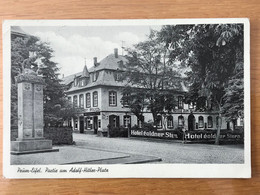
x,y
75,46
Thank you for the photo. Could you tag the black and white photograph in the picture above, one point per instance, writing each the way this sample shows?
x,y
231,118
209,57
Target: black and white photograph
x,y
126,98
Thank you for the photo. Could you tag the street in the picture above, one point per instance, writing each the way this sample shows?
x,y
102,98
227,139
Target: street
x,y
169,151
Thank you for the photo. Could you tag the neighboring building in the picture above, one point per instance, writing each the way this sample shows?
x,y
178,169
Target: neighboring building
x,y
98,92
16,31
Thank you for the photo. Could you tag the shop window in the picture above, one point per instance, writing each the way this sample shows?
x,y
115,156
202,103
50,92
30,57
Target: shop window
x,y
89,123
169,122
95,99
88,100
159,122
180,121
210,122
114,121
127,121
201,122
112,98
76,123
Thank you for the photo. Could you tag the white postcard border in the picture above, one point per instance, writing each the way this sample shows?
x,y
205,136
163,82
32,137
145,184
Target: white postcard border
x,y
134,170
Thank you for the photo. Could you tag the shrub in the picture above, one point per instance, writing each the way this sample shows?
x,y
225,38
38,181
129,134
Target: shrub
x,y
118,132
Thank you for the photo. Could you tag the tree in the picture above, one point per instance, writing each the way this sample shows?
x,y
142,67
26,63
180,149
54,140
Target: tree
x,y
212,52
30,52
135,99
150,75
234,95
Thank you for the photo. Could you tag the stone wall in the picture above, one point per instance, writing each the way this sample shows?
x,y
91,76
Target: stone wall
x,y
59,135
14,133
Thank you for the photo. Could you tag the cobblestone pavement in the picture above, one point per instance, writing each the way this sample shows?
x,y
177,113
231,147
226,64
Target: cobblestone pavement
x,y
169,151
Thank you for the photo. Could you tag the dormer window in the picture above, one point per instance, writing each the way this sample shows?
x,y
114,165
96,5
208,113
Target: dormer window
x,y
117,75
94,76
75,81
82,82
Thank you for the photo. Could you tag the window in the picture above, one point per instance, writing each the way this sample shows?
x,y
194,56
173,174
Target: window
x,y
114,121
95,99
75,123
201,122
82,82
94,76
125,101
75,101
99,123
112,98
217,119
88,100
180,121
180,102
159,121
75,81
69,99
117,75
127,121
210,122
81,101
88,123
139,122
170,122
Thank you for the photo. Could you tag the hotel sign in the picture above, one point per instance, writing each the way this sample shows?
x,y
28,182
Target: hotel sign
x,y
154,134
190,136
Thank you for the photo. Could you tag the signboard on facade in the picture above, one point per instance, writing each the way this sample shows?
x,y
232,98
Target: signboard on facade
x,y
154,134
190,136
91,113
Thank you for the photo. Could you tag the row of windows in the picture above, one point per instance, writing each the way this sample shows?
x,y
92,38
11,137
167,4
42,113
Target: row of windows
x,y
114,121
94,76
112,99
181,122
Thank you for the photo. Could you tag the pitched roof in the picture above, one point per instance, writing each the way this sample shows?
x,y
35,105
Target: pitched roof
x,y
110,62
18,31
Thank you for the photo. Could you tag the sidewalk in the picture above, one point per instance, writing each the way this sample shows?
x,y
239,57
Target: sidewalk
x,y
79,155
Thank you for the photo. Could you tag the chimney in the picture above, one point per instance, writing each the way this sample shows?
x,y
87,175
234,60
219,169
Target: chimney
x,y
95,61
116,52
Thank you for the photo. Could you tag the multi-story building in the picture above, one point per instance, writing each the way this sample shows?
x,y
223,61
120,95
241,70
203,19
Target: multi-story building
x,y
98,91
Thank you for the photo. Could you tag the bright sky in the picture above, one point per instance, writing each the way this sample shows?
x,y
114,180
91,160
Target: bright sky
x,y
72,45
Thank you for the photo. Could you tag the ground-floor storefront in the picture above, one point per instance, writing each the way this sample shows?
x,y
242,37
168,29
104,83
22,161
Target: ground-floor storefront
x,y
102,120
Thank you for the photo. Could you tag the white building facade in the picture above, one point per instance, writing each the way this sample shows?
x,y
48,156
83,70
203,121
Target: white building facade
x,y
98,91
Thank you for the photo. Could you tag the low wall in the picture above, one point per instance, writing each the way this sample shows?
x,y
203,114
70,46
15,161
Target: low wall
x,y
59,135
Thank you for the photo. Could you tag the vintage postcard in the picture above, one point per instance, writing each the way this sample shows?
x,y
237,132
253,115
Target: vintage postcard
x,y
166,98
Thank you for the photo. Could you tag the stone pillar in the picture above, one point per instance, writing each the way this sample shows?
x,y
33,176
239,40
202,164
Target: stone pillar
x,y
30,116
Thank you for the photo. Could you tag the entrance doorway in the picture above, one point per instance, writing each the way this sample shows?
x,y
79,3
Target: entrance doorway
x,y
81,124
95,124
191,122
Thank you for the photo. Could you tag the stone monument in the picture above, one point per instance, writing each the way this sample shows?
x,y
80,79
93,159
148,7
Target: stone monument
x,y
30,115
